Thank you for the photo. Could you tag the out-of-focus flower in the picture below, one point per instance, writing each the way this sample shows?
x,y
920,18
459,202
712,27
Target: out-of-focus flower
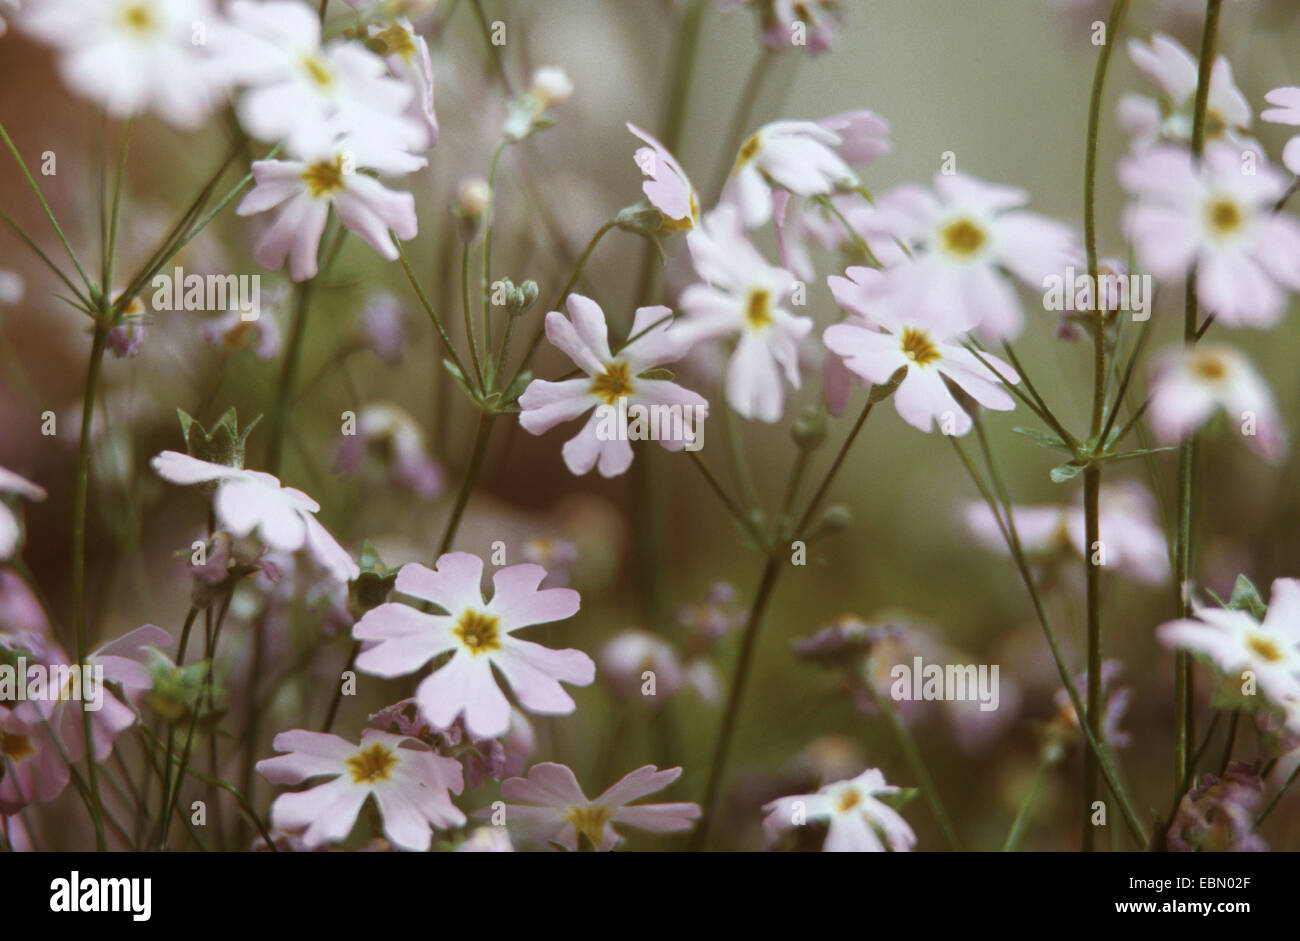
x,y
126,338
965,236
845,640
667,186
1236,642
616,388
407,55
551,86
410,785
246,501
1173,70
1116,701
135,55
391,437
799,156
1129,527
744,297
854,812
888,335
305,189
557,556
1218,815
1287,111
34,771
629,656
11,288
252,328
383,328
487,839
479,635
715,617
807,24
552,804
1219,220
11,483
1190,385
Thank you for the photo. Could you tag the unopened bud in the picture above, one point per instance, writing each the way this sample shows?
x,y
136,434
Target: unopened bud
x,y
809,429
473,197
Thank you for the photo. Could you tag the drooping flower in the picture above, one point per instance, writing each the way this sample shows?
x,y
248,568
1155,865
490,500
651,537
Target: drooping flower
x,y
10,529
409,783
390,438
327,175
34,771
965,236
480,635
551,86
857,817
804,24
744,297
1173,70
1287,111
1237,642
1116,700
1218,815
888,335
616,387
407,55
1220,220
1189,385
552,804
667,186
133,56
248,501
383,328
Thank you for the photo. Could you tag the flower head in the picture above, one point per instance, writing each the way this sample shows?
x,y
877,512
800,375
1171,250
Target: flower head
x,y
1287,111
857,817
389,437
409,783
10,529
667,186
550,800
479,635
1173,70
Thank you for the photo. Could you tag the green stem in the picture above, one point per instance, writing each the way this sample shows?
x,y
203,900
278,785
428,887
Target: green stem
x,y
79,560
1022,816
481,435
743,112
1092,516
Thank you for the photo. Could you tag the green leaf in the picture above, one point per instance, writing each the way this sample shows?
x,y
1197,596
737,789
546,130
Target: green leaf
x,y
460,379
1066,472
516,389
1245,597
900,800
880,393
1044,440
1125,455
658,373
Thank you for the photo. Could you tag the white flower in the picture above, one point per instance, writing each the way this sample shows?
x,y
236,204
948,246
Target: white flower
x,y
11,288
1189,385
551,86
743,296
1237,642
408,59
853,811
799,156
11,483
134,55
1286,112
248,501
1220,219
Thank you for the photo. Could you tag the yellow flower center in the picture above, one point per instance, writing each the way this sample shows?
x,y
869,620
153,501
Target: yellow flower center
x,y
758,309
590,820
848,799
478,631
1215,125
15,746
397,41
918,348
747,152
1225,216
1209,366
324,178
371,764
318,70
139,18
962,238
1265,648
613,383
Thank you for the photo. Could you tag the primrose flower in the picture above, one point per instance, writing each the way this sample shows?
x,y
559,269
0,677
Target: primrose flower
x,y
1216,218
1237,642
479,635
551,802
551,86
668,187
857,817
409,783
744,297
888,336
248,501
616,386
1190,385
133,56
34,771
390,436
10,528
407,55
1287,111
1173,70
965,237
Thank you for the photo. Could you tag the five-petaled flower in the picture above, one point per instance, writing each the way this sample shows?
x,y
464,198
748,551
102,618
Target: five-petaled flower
x,y
854,811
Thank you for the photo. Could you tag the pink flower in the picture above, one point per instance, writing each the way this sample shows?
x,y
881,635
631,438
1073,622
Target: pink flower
x,y
799,156
965,236
615,387
629,656
1286,112
326,177
854,812
1189,385
1219,219
807,24
743,296
888,335
556,810
409,783
668,187
1171,68
391,436
33,768
479,636
10,529
408,59
1237,642
248,501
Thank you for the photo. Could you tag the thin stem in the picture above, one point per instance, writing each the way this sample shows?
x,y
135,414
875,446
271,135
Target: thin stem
x,y
743,112
489,215
481,435
1022,815
428,309
732,507
825,485
1092,516
79,559
1277,797
470,337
